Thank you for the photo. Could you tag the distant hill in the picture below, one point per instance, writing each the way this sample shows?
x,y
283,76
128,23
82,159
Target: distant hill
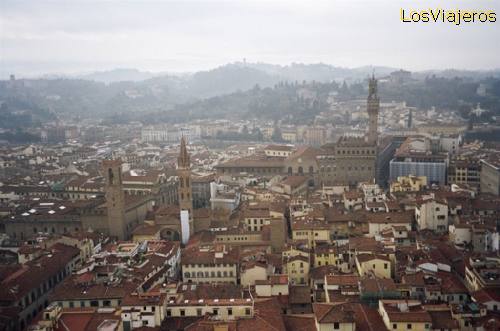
x,y
118,75
122,91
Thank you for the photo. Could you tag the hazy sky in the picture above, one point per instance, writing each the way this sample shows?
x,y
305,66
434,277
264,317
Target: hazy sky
x,y
77,36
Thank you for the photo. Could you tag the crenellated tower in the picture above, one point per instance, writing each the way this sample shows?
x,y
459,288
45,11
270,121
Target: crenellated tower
x,y
373,106
115,199
185,190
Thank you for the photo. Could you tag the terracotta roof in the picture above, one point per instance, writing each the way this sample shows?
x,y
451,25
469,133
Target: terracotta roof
x,y
300,294
442,320
484,296
413,313
391,217
146,230
331,313
299,323
34,273
377,285
342,280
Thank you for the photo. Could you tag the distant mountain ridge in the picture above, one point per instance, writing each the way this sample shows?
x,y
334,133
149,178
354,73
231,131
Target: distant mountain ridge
x,y
118,75
264,71
131,90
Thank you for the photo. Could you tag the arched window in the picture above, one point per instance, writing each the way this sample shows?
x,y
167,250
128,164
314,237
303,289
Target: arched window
x,y
301,171
290,171
181,182
110,176
311,170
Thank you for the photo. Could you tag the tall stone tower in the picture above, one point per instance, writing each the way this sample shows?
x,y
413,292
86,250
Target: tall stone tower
x,y
185,191
373,105
115,199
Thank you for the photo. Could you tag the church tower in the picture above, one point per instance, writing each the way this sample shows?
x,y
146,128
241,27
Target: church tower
x,y
115,199
373,105
185,191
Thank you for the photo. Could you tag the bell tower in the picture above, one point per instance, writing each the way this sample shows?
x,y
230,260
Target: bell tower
x,y
185,191
115,199
373,106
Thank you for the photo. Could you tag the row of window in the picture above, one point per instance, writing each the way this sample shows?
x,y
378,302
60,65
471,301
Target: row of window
x,y
261,221
356,152
232,238
207,274
409,326
329,169
302,233
35,230
258,170
222,265
43,289
215,311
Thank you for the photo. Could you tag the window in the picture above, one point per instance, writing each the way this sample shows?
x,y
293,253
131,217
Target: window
x,y
247,311
336,325
71,304
408,326
230,311
216,311
94,303
183,312
198,311
394,326
385,266
169,312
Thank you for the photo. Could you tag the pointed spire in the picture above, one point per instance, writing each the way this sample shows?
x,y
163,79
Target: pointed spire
x,y
183,161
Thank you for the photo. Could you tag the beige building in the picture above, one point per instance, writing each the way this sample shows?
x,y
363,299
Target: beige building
x,y
145,309
297,268
373,264
490,175
409,184
218,264
275,285
379,222
224,309
404,315
311,231
278,150
252,272
255,218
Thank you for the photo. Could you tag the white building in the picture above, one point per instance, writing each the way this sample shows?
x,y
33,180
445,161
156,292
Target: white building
x,y
433,215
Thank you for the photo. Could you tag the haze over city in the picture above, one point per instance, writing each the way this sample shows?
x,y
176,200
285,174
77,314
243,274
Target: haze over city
x,y
54,37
